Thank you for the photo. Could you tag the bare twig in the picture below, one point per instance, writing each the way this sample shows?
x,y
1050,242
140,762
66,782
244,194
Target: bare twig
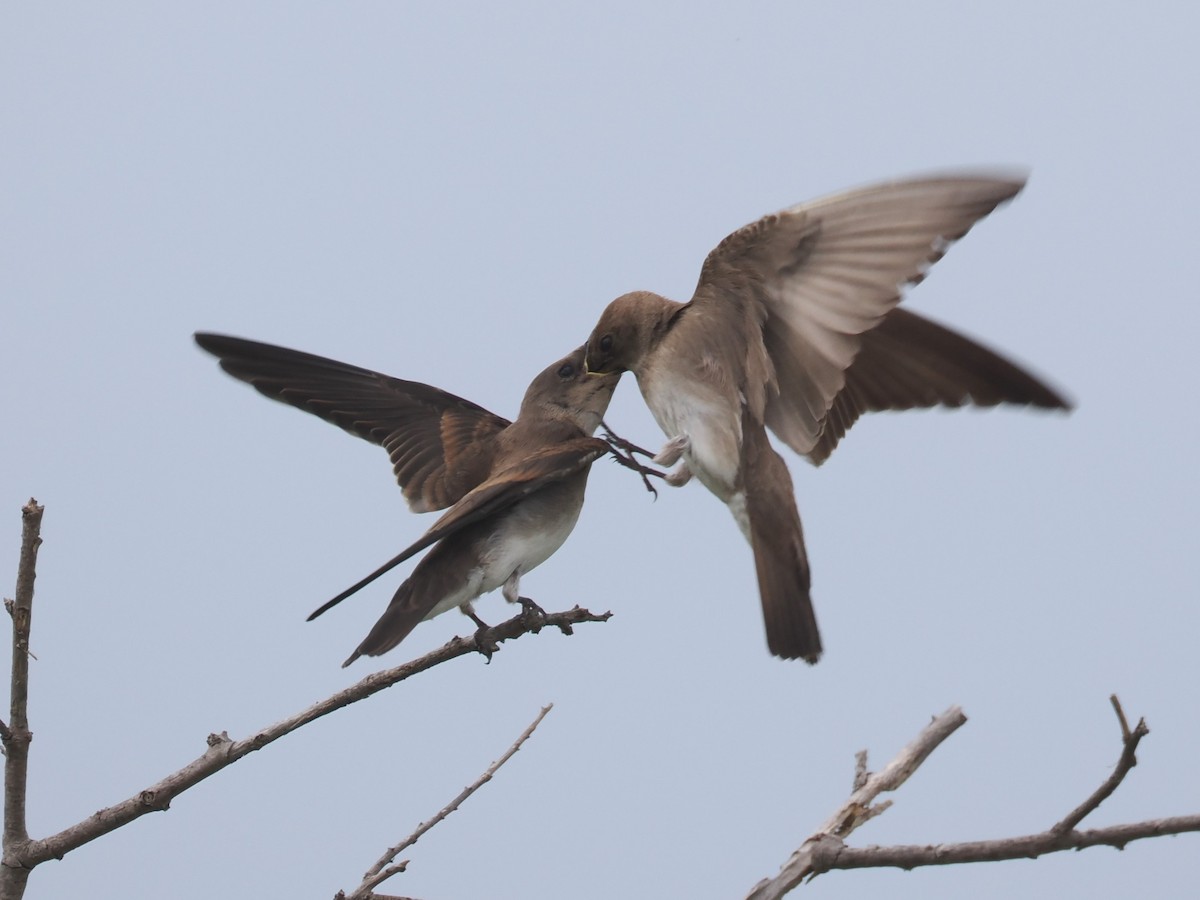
x,y
383,869
17,736
858,808
1128,760
222,751
826,851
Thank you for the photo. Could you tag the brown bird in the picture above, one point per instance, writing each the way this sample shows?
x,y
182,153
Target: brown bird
x,y
516,487
794,327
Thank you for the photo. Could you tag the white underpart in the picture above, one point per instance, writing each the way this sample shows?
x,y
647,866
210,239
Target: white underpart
x,y
522,541
468,591
708,430
737,506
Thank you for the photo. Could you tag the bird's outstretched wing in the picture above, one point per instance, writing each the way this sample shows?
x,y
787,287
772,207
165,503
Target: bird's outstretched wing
x,y
441,446
910,362
818,277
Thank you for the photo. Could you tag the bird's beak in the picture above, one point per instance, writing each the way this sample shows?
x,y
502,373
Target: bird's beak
x,y
588,370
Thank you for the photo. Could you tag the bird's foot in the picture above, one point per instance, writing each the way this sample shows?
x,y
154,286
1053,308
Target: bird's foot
x,y
628,461
672,450
483,643
619,443
532,615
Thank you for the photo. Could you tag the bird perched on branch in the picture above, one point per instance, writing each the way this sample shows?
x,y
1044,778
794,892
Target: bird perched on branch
x,y
515,489
794,327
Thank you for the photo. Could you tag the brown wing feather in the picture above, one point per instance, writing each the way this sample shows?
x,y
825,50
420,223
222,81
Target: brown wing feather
x,y
506,487
825,273
440,445
910,362
544,466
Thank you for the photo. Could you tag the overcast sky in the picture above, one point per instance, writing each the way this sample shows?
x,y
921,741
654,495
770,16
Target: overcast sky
x,y
452,196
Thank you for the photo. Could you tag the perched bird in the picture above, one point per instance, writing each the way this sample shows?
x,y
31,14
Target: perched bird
x,y
516,487
794,327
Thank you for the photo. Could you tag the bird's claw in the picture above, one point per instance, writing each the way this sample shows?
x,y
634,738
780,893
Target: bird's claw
x,y
618,442
484,644
627,460
532,615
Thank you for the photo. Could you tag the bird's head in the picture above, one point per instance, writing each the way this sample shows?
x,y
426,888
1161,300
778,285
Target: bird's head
x,y
626,332
566,390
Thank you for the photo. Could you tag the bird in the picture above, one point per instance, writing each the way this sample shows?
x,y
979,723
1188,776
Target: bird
x,y
514,489
794,327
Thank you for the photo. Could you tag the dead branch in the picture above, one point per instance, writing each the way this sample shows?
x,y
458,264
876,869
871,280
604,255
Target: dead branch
x,y
21,854
826,850
17,736
383,868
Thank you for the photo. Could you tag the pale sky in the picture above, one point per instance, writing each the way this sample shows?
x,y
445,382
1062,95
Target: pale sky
x,y
452,195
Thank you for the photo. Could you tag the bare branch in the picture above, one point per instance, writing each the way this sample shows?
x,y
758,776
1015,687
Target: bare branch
x,y
1127,761
826,851
222,751
834,855
383,870
858,808
17,736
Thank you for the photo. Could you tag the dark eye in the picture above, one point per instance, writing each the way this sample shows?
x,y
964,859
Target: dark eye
x,y
606,344
566,370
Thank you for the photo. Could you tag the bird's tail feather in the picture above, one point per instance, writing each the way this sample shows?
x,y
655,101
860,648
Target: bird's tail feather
x,y
396,623
778,543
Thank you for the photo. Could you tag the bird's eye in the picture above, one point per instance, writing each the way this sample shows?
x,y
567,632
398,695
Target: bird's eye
x,y
606,344
566,370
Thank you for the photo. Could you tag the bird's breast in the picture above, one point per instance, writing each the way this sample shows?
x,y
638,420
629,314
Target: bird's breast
x,y
532,531
709,416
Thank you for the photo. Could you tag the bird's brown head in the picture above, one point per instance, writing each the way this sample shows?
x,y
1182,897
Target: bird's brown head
x,y
565,390
628,329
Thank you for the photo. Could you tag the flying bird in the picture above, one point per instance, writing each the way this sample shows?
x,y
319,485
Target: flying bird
x,y
515,489
794,327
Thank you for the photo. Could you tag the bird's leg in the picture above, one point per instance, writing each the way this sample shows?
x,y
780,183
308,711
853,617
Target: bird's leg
x,y
469,611
627,460
623,452
672,450
482,644
618,442
670,453
679,476
534,615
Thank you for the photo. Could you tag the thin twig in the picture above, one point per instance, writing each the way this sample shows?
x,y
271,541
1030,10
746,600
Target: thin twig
x,y
859,809
383,870
1116,705
17,736
1128,760
222,751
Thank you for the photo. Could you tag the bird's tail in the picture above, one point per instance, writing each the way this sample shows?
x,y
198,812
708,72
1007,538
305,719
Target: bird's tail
x,y
396,623
772,523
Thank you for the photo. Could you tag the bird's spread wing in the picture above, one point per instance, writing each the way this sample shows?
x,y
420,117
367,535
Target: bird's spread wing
x,y
909,362
534,471
822,274
440,445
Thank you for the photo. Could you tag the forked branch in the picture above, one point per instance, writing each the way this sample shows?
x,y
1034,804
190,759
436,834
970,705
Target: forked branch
x,y
826,849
